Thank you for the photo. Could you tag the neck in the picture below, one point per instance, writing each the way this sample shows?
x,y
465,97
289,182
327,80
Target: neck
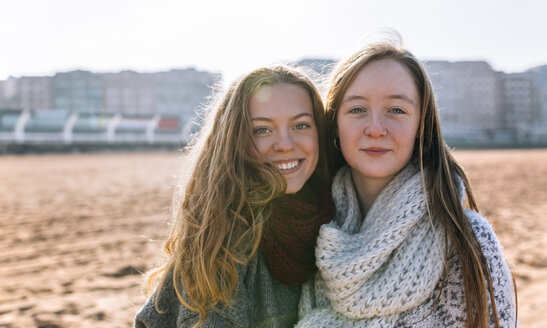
x,y
367,190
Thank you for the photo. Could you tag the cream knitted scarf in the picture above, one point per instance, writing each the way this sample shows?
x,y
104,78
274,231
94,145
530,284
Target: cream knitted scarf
x,y
371,271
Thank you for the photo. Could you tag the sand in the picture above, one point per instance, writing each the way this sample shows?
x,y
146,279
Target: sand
x,y
77,231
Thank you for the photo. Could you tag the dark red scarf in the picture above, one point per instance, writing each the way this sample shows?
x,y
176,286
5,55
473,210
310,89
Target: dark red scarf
x,y
288,245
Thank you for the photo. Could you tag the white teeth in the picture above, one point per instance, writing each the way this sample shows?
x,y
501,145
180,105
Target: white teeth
x,y
287,166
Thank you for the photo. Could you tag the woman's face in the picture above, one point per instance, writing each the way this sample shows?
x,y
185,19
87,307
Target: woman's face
x,y
284,131
378,120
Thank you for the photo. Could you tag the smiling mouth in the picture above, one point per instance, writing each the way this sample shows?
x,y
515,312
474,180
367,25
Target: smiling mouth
x,y
288,167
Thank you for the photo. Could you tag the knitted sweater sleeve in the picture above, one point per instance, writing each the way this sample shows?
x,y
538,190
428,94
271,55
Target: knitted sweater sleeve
x,y
175,315
504,292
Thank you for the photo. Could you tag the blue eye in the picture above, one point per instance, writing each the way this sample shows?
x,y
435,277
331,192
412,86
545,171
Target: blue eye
x,y
356,110
397,110
261,130
301,126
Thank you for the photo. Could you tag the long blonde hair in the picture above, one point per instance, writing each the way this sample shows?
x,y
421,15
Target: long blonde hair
x,y
433,156
220,212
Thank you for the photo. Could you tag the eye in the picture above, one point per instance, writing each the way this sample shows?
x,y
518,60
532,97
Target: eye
x,y
302,126
397,110
356,110
261,130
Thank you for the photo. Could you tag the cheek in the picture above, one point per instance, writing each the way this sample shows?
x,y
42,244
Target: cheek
x,y
258,148
310,145
347,143
347,132
406,137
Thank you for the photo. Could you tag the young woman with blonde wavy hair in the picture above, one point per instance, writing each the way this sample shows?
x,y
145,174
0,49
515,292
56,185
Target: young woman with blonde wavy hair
x,y
246,219
402,251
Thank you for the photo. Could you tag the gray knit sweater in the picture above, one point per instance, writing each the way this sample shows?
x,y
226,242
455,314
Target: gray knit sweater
x,y
359,286
260,301
450,309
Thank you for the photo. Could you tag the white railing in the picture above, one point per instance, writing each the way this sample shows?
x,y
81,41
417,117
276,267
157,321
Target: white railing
x,y
146,132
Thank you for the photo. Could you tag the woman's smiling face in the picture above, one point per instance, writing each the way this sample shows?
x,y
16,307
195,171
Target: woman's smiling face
x,y
284,131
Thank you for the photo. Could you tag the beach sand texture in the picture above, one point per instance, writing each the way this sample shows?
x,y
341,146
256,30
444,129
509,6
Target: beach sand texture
x,y
76,231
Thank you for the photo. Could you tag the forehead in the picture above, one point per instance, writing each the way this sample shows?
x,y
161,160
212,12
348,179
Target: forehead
x,y
280,99
383,76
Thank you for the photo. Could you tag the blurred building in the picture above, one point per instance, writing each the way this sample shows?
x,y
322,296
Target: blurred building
x,y
469,97
3,96
521,109
34,92
179,92
173,93
128,93
103,107
78,91
8,94
540,81
176,92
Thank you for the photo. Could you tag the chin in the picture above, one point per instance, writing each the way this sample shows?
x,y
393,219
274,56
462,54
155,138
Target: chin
x,y
291,189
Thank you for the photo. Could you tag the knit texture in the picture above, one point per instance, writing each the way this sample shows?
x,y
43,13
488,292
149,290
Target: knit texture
x,y
385,271
288,245
259,302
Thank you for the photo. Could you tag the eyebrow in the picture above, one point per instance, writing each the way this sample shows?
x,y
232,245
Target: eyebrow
x,y
396,96
297,116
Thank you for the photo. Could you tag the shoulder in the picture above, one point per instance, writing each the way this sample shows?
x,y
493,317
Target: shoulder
x,y
480,225
173,314
489,243
170,313
502,277
486,237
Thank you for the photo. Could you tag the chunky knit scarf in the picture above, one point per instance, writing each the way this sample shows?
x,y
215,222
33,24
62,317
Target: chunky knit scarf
x,y
375,269
289,241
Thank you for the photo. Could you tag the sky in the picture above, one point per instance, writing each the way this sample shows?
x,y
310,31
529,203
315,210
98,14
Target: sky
x,y
41,37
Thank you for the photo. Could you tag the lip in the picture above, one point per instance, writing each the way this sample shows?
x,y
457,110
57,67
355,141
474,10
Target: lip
x,y
291,170
375,151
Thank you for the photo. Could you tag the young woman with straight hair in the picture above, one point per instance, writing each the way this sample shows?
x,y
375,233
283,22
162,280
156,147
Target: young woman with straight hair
x,y
246,220
403,250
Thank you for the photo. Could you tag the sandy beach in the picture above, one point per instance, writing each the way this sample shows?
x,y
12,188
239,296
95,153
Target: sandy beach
x,y
78,231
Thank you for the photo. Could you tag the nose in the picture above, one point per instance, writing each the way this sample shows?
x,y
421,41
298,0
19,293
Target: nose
x,y
284,141
375,127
